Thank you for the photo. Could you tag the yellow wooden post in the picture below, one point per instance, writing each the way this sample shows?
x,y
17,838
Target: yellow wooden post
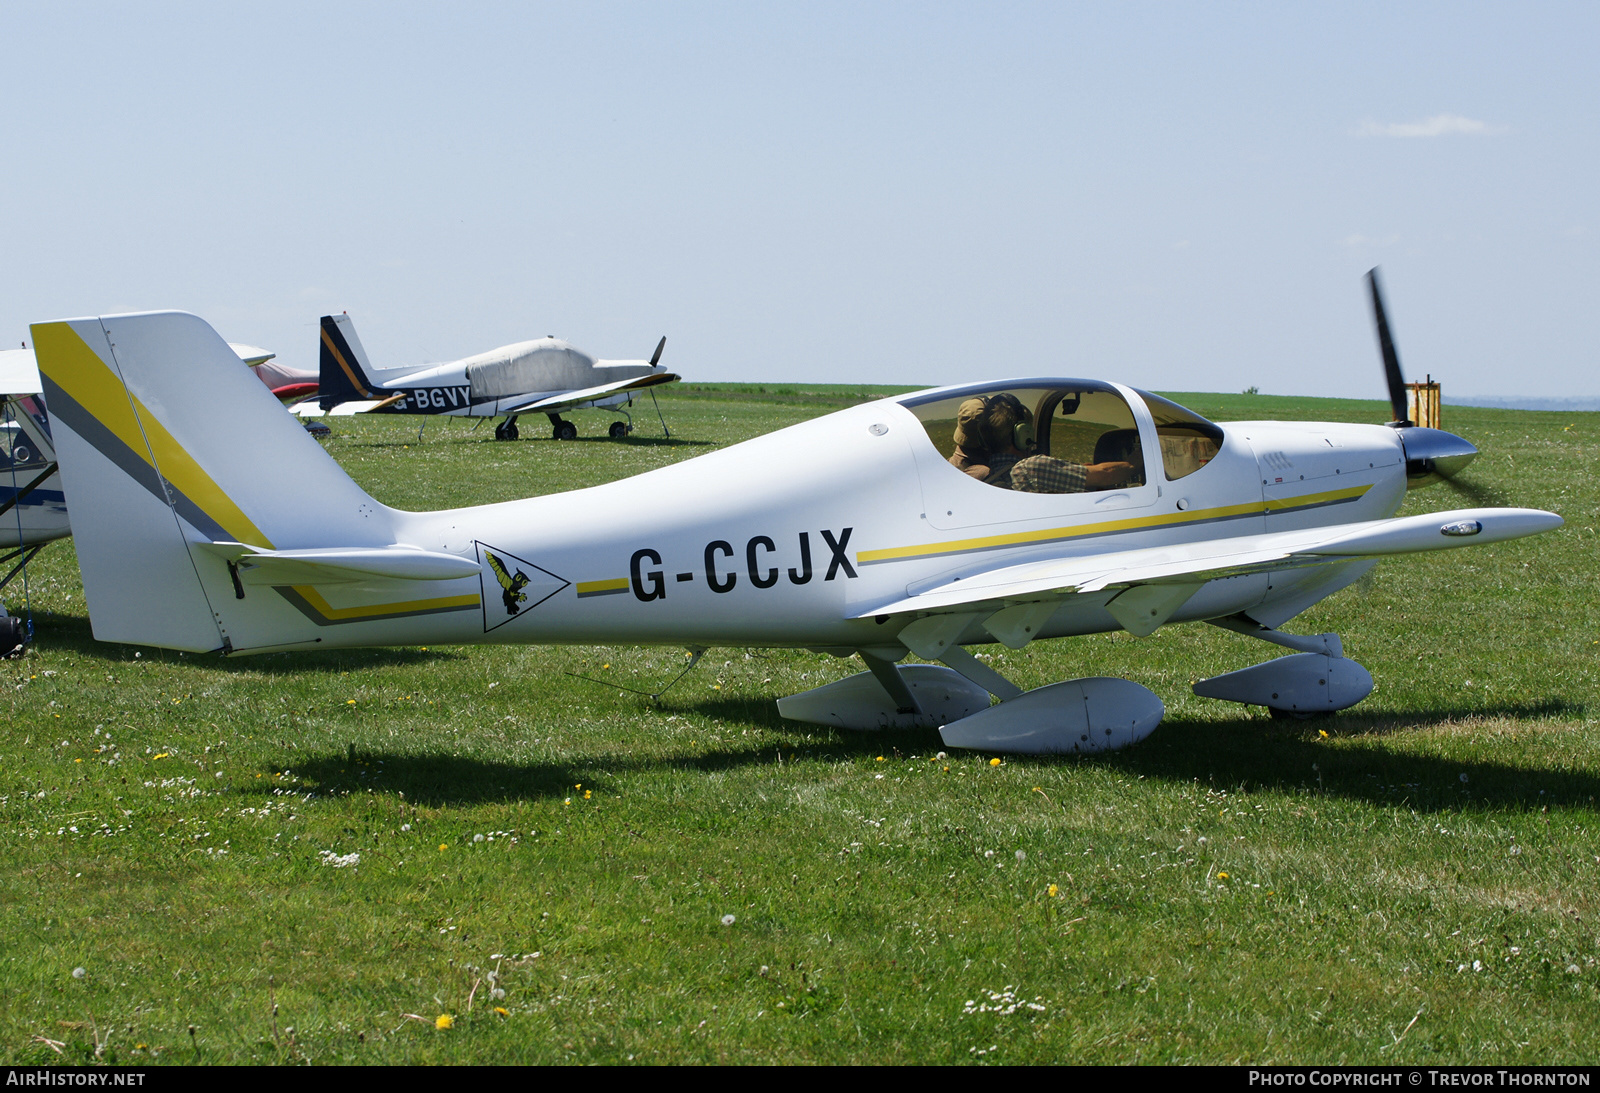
x,y
1422,403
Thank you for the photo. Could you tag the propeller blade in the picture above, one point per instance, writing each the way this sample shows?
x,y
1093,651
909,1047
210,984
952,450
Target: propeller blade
x,y
656,357
1391,359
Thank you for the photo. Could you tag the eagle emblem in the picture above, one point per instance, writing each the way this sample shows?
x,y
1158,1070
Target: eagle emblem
x,y
511,592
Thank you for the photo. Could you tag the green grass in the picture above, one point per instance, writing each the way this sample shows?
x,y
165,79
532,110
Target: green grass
x,y
1414,886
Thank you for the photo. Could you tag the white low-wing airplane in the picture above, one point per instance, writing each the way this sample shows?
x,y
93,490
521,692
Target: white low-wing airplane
x,y
546,376
881,530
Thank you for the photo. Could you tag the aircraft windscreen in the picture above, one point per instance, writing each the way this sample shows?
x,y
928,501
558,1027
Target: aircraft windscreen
x,y
1037,439
1188,441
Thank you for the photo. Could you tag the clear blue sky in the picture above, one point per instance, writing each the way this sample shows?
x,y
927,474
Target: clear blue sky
x,y
1179,196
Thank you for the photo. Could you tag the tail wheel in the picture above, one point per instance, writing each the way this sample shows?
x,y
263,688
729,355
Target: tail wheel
x,y
11,634
619,429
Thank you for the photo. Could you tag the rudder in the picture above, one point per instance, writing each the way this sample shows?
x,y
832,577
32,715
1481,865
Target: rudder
x,y
166,444
342,364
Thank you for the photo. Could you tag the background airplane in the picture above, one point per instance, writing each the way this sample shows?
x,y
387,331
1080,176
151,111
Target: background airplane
x,y
854,533
33,511
546,376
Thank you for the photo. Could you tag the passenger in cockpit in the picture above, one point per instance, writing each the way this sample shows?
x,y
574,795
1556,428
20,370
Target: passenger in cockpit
x,y
994,439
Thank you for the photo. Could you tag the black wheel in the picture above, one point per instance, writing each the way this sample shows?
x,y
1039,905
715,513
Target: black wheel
x,y
1295,715
566,431
506,430
11,635
511,431
619,429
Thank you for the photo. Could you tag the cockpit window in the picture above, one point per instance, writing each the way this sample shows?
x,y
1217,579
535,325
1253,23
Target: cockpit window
x,y
1073,439
1188,441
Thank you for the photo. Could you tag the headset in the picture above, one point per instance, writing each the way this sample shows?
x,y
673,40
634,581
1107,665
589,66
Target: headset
x,y
1023,435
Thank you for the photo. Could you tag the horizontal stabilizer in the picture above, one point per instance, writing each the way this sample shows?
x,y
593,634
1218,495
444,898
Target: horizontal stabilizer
x,y
1189,563
566,400
340,564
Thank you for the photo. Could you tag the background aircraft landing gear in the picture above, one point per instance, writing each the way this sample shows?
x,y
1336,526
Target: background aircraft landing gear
x,y
561,429
506,430
619,430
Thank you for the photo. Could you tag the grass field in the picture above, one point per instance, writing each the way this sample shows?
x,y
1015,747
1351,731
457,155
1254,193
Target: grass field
x,y
324,859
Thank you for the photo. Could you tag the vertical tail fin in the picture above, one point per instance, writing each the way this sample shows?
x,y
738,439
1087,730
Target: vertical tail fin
x,y
343,367
168,446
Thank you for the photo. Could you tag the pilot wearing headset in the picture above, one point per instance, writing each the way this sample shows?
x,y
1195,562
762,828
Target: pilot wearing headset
x,y
994,444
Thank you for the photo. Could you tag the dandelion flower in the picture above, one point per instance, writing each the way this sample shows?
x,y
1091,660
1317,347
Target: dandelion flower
x,y
444,846
349,702
1022,855
444,1020
79,973
502,1011
1222,876
586,794
1322,733
995,762
728,920
1052,891
879,759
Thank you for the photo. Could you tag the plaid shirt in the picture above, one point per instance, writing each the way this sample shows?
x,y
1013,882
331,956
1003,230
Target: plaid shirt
x,y
1046,474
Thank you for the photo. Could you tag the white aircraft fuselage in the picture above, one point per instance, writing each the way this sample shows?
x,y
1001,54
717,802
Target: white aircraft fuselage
x,y
793,535
868,531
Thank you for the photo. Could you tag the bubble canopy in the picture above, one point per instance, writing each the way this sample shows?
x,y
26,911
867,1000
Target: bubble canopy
x,y
1059,435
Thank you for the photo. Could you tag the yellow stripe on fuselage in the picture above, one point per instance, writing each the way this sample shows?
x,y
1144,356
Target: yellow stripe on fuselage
x,y
79,371
379,610
1302,501
589,588
1059,534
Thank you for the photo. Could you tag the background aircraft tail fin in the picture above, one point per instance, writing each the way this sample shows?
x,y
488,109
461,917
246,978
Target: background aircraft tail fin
x,y
169,445
343,369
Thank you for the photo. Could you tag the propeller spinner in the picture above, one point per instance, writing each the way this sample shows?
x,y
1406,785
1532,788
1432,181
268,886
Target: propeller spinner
x,y
1432,455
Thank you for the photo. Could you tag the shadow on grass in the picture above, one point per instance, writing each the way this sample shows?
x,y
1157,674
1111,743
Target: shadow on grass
x,y
436,781
1259,754
1240,756
71,633
1293,756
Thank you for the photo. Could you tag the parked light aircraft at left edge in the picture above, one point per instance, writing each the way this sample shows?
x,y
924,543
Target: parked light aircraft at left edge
x,y
545,376
854,533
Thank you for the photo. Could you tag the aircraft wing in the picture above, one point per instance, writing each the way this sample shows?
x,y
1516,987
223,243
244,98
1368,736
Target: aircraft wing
x,y
1177,571
312,408
19,373
566,400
